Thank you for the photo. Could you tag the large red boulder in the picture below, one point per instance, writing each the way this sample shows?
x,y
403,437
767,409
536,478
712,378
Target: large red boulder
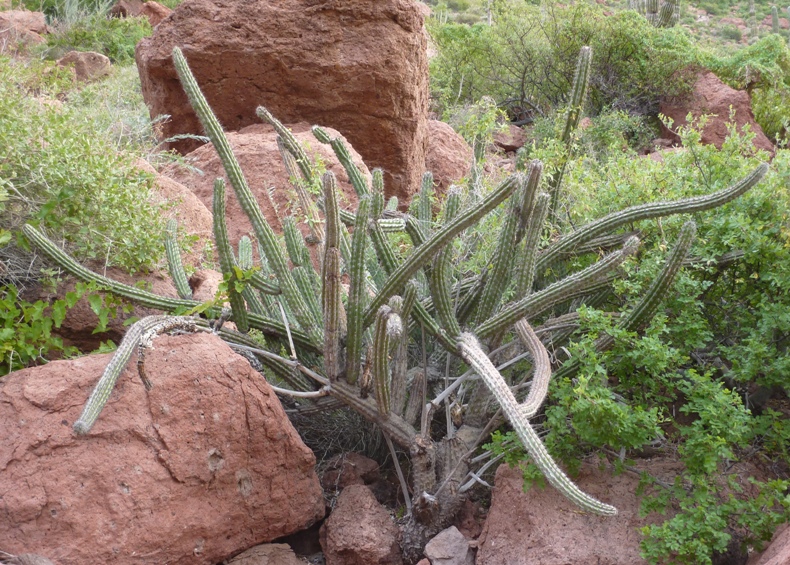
x,y
255,148
710,96
354,65
200,467
542,527
21,29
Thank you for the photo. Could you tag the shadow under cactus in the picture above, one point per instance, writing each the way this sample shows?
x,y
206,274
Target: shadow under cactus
x,y
416,339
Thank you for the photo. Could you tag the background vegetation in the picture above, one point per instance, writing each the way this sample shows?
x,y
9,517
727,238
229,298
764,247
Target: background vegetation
x,y
707,382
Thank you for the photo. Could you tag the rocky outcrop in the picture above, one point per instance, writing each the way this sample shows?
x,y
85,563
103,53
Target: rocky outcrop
x,y
778,553
193,217
357,66
511,138
712,97
20,29
154,12
256,149
359,531
449,157
201,466
87,65
538,527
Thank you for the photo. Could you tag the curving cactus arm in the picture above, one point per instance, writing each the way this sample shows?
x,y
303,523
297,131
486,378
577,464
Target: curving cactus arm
x,y
471,352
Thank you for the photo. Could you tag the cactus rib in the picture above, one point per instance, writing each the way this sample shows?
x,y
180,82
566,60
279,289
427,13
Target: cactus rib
x,y
175,266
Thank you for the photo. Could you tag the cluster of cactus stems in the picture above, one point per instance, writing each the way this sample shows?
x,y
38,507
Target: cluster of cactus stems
x,y
357,342
664,13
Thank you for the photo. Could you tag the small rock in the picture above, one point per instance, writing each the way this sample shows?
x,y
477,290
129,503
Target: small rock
x,y
449,547
20,29
360,531
153,11
512,139
267,554
349,469
88,65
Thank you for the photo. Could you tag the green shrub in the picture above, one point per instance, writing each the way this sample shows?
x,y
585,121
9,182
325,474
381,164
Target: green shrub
x,y
527,57
114,37
64,173
731,33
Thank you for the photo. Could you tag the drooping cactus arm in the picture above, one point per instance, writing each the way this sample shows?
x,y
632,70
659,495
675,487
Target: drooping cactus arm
x,y
647,211
441,238
175,266
247,201
471,352
149,299
344,156
137,335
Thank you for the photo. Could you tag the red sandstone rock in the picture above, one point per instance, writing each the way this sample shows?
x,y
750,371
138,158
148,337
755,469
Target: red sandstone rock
x,y
449,157
200,466
359,531
192,215
267,554
204,284
349,469
778,553
512,139
256,149
20,29
153,11
450,547
357,66
87,65
541,527
711,96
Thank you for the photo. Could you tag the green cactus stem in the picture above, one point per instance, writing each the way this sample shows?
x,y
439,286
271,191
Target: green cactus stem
x,y
175,266
567,288
541,374
309,208
581,82
149,299
525,267
470,351
440,279
425,252
356,295
774,19
263,231
226,259
568,244
381,347
344,156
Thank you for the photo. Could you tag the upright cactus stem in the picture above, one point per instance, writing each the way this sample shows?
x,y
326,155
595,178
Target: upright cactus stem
x,y
581,83
175,266
774,19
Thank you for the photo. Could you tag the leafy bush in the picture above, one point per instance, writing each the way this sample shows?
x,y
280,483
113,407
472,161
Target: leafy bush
x,y
62,172
114,37
526,59
724,332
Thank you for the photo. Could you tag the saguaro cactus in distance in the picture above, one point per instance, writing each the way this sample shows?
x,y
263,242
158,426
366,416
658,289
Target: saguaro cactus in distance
x,y
354,344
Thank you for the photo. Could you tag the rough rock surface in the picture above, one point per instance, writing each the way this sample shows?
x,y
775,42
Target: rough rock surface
x,y
153,11
541,527
349,469
192,215
449,157
449,547
711,96
359,531
87,65
511,139
357,66
200,466
20,28
256,149
778,553
267,554
204,284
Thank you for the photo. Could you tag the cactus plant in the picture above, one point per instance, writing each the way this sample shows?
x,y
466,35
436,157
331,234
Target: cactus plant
x,y
346,343
666,15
